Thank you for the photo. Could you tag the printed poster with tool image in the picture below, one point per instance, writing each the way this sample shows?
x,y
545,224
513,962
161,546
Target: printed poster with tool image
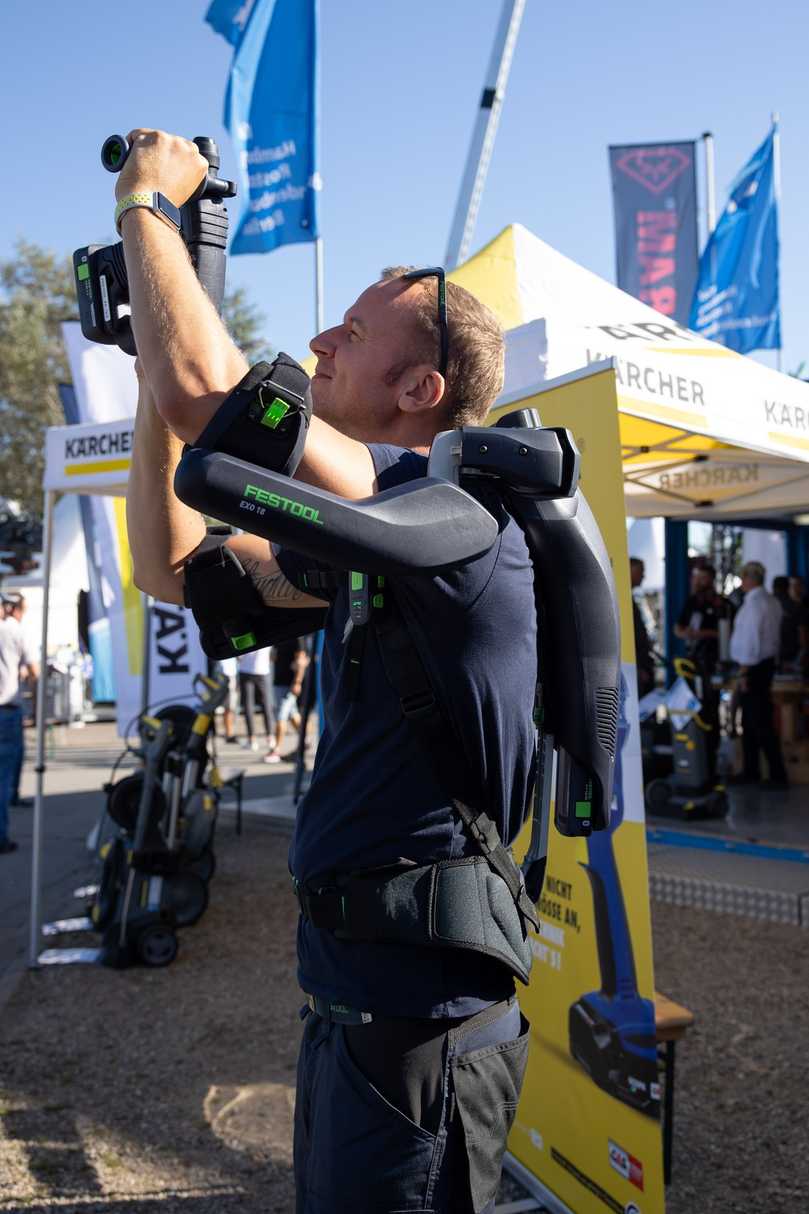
x,y
588,1124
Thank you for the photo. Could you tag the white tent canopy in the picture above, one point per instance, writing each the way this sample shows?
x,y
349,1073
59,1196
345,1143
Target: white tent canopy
x,y
705,432
674,472
93,458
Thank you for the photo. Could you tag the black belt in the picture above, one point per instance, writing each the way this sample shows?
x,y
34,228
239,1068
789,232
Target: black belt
x,y
337,1013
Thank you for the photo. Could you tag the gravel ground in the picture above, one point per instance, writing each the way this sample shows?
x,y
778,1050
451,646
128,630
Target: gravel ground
x,y
172,1090
743,1070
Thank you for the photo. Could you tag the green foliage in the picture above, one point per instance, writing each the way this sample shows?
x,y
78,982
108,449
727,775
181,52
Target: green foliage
x,y
36,295
245,323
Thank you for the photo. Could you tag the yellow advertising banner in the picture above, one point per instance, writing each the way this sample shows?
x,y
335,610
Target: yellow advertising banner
x,y
588,1124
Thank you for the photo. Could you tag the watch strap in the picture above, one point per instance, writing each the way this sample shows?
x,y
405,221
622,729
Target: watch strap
x,y
153,201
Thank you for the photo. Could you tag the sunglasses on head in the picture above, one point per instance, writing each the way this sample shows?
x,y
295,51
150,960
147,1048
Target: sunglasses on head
x,y
437,272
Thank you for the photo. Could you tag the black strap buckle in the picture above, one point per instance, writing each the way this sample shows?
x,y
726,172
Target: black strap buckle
x,y
419,705
324,907
485,833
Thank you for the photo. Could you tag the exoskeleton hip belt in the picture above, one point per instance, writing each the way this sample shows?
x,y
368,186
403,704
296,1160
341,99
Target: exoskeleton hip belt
x,y
451,904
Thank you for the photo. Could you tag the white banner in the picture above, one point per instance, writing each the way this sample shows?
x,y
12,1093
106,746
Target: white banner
x,y
95,458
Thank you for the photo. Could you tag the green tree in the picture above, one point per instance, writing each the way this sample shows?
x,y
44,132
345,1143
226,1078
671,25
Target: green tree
x,y
245,323
36,295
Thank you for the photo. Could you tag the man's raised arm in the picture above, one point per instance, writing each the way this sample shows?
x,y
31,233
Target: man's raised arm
x,y
164,533
188,357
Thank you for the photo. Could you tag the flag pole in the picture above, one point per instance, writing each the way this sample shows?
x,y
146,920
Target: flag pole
x,y
776,181
319,322
483,135
710,184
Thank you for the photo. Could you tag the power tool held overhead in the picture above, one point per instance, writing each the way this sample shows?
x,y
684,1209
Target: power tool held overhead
x,y
101,280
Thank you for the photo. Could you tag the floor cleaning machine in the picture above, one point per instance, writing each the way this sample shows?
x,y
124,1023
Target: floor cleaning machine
x,y
190,800
132,909
693,790
155,870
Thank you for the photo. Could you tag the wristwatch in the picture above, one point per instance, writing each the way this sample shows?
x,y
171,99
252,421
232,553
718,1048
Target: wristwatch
x,y
153,201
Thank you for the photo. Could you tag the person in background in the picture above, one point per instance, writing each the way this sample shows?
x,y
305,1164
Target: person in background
x,y
14,654
698,622
291,660
797,590
799,606
793,623
255,678
15,607
229,668
644,661
754,644
698,625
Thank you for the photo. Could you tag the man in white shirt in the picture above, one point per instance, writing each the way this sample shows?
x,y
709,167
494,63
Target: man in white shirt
x,y
754,645
14,652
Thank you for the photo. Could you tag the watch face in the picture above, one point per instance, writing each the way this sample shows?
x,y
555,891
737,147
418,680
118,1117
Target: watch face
x,y
167,208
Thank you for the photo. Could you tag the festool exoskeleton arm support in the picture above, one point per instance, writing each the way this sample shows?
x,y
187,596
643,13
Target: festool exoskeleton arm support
x,y
430,526
433,525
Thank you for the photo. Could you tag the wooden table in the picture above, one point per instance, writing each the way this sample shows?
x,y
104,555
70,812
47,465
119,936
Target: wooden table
x,y
672,1021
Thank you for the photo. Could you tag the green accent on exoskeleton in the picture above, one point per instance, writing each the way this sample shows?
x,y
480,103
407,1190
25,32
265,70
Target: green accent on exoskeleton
x,y
378,600
584,809
246,641
380,581
357,581
275,413
83,271
276,502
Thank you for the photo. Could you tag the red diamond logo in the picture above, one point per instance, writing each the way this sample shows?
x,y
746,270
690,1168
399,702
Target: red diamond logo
x,y
656,168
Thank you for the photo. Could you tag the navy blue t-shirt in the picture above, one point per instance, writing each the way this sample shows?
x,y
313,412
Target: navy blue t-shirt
x,y
374,796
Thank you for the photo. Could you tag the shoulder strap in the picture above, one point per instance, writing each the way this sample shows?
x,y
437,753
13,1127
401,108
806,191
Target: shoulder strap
x,y
407,675
439,741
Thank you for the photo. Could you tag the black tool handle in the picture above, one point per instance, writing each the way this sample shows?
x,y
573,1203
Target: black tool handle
x,y
205,224
114,151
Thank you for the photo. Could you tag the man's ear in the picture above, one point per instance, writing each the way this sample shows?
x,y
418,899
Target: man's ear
x,y
420,388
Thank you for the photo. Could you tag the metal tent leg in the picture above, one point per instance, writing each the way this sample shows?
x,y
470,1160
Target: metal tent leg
x,y
36,841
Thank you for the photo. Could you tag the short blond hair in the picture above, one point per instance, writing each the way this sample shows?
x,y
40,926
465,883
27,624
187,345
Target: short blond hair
x,y
476,354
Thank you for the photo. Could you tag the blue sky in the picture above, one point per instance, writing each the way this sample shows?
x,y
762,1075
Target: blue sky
x,y
400,87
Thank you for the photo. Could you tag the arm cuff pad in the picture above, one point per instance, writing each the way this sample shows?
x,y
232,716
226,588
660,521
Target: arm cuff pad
x,y
231,615
266,417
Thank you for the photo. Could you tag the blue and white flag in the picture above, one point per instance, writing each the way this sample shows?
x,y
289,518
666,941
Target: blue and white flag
x,y
271,111
736,300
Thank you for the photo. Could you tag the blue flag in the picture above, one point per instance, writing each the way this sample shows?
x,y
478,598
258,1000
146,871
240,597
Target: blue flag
x,y
229,18
736,300
271,113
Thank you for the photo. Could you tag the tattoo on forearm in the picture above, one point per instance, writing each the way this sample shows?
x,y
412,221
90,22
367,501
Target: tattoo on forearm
x,y
273,587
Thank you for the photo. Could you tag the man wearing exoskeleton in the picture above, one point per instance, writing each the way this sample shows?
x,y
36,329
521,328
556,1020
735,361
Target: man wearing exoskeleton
x,y
414,917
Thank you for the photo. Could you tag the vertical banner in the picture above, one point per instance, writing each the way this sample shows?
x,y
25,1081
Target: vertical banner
x,y
271,113
106,393
587,1131
103,684
736,300
654,193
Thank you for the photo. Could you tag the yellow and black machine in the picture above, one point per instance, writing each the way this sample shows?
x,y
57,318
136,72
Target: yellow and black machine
x,y
694,789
